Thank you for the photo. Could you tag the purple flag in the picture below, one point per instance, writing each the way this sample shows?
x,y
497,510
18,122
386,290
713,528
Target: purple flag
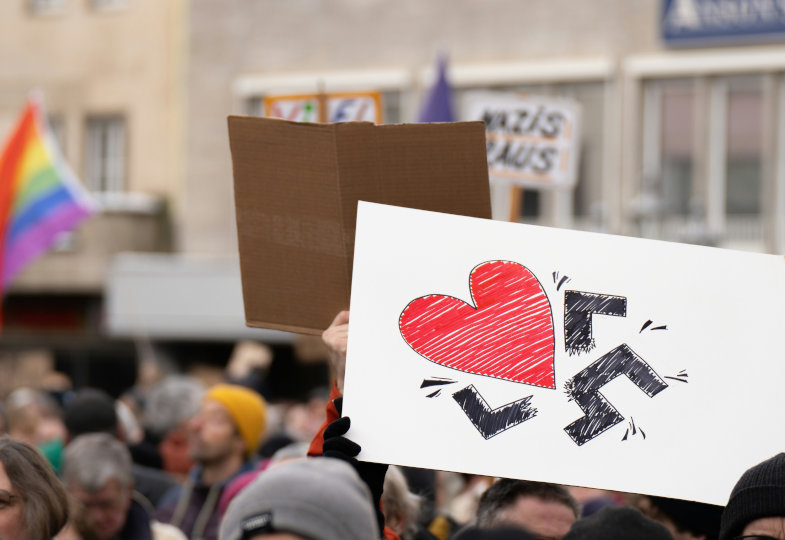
x,y
438,103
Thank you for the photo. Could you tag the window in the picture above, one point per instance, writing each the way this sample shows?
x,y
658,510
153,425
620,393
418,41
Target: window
x,y
671,204
668,194
588,204
744,163
57,126
720,141
255,106
46,6
105,153
717,122
675,187
391,107
745,145
106,5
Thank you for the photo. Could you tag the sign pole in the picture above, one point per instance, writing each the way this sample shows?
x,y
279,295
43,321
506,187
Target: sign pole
x,y
516,194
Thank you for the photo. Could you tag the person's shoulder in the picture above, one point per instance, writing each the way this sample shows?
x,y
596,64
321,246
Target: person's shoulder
x,y
168,500
152,483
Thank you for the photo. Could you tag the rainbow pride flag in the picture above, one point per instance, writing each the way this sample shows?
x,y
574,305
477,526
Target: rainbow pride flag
x,y
40,197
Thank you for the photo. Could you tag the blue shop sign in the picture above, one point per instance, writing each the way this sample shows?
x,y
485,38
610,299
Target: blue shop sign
x,y
687,22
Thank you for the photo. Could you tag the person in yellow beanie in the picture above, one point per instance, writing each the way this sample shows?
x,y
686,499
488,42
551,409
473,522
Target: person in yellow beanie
x,y
246,408
222,439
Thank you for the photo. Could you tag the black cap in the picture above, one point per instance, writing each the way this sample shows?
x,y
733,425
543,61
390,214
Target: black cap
x,y
505,533
617,523
698,519
759,493
90,410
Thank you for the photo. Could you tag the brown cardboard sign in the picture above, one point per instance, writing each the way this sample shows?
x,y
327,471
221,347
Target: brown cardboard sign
x,y
296,190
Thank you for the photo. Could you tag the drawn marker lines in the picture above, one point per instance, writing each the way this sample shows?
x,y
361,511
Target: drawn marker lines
x,y
579,308
436,381
681,376
507,332
634,429
649,323
490,422
562,281
584,389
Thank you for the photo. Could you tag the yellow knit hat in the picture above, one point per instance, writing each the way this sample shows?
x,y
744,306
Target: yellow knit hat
x,y
247,409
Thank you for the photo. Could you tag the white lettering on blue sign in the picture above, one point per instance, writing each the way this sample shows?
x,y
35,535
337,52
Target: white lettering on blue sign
x,y
723,20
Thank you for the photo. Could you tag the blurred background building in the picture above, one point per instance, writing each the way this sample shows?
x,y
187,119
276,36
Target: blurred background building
x,y
683,127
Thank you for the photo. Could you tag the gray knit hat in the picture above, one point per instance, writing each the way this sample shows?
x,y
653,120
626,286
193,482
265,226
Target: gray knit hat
x,y
759,493
319,498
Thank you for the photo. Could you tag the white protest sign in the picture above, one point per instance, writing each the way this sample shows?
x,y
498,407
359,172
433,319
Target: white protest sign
x,y
578,358
341,107
532,141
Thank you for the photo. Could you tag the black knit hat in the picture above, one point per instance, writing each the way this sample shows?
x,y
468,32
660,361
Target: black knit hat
x,y
90,410
617,523
759,493
504,533
698,519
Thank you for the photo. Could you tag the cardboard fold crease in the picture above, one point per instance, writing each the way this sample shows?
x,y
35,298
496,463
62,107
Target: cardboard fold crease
x,y
296,192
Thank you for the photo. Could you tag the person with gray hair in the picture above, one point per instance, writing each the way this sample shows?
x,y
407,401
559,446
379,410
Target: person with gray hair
x,y
401,507
168,408
171,403
98,474
92,410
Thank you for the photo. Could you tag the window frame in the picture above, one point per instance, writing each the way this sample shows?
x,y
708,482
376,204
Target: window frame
x,y
711,71
105,173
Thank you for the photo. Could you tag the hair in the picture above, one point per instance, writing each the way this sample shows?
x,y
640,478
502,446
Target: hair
x,y
45,500
171,403
94,459
23,409
90,410
505,492
398,500
697,519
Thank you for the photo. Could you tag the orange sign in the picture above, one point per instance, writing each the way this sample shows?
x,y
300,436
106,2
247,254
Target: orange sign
x,y
333,108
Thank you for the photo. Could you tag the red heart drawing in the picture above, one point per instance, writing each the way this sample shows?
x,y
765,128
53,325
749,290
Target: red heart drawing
x,y
508,335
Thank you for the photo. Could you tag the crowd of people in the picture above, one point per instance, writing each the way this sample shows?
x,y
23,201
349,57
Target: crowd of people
x,y
188,462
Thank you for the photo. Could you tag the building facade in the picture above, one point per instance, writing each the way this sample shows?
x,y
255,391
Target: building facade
x,y
683,123
681,138
111,77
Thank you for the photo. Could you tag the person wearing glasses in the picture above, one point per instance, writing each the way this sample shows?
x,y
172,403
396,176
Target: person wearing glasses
x,y
98,474
756,507
33,504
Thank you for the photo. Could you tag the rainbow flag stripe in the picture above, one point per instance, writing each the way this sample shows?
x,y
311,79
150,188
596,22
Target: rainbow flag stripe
x,y
40,197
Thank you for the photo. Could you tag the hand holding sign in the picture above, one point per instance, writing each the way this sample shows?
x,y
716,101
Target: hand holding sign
x,y
336,337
